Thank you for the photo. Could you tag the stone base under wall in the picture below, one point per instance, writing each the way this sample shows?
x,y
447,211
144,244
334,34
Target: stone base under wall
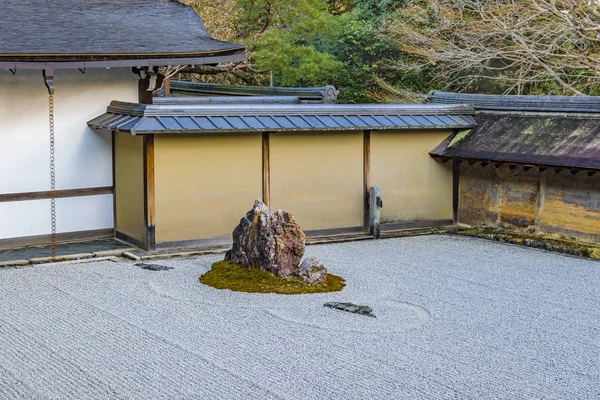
x,y
531,201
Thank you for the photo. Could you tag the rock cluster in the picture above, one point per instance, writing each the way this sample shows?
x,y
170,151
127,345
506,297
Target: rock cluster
x,y
273,242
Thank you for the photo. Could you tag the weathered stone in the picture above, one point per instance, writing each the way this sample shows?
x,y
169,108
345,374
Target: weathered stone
x,y
272,242
153,267
352,308
312,271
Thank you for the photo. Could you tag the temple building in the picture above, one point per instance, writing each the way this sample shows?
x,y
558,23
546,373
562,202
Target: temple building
x,y
531,163
86,154
88,151
61,64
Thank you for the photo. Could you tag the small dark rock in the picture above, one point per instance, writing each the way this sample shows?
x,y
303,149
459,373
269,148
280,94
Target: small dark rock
x,y
153,267
352,308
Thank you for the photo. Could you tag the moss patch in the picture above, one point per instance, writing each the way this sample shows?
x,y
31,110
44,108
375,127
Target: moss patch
x,y
546,242
227,275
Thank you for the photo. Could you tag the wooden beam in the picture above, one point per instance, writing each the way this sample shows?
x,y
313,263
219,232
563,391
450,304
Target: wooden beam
x,y
144,96
167,87
114,180
13,243
149,191
266,168
129,239
58,194
366,174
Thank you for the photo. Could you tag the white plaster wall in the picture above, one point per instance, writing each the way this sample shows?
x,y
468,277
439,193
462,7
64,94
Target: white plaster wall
x,y
83,157
32,218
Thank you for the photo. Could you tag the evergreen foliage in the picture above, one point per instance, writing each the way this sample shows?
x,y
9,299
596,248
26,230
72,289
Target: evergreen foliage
x,y
398,50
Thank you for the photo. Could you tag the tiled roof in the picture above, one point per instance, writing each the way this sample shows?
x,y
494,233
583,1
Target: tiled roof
x,y
580,104
562,141
88,30
139,119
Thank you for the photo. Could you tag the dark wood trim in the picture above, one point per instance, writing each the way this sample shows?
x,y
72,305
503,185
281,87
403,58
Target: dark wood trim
x,y
366,175
114,181
13,243
167,87
221,241
455,189
227,241
266,169
128,239
144,96
335,231
513,164
149,203
57,194
416,224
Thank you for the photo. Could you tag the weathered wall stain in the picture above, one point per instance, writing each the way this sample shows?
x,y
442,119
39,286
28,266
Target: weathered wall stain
x,y
530,200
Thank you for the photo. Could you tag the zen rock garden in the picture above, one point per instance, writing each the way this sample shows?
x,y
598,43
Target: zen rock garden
x,y
266,257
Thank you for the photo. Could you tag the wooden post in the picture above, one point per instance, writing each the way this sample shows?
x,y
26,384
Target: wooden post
x,y
366,175
145,97
114,182
167,87
266,164
149,202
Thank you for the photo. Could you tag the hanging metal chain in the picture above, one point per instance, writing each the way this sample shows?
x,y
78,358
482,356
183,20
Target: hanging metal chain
x,y
52,177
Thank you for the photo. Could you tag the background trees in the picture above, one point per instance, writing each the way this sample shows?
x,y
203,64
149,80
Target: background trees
x,y
382,50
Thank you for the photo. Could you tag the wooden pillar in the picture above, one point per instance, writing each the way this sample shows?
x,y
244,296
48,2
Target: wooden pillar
x,y
149,203
366,174
145,97
266,169
167,87
114,182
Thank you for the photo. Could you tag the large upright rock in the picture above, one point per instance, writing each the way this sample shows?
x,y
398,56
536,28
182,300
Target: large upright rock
x,y
272,242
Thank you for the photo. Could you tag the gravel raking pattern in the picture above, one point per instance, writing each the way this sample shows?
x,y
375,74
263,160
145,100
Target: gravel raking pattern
x,y
457,318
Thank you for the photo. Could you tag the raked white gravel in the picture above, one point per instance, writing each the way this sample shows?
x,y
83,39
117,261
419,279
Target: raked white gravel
x,y
456,318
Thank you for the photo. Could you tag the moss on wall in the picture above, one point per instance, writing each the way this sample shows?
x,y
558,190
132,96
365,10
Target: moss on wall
x,y
531,201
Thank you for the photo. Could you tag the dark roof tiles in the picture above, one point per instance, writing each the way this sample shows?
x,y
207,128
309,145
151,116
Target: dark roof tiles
x,y
42,30
222,118
535,140
489,102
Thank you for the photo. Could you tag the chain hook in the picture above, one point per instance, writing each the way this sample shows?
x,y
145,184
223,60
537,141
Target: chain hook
x,y
49,81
